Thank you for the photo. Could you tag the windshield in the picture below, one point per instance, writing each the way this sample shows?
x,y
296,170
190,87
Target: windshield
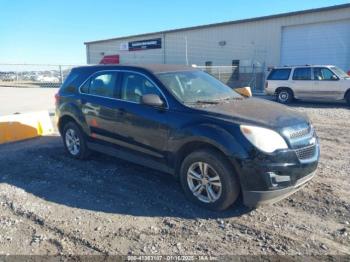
x,y
196,87
339,72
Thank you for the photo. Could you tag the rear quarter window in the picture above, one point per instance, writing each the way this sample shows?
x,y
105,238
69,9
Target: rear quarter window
x,y
279,74
69,85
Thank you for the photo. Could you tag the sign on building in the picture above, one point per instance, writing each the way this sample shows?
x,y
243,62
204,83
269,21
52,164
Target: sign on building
x,y
145,44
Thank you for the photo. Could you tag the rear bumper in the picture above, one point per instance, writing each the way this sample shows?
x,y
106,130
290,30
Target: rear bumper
x,y
259,198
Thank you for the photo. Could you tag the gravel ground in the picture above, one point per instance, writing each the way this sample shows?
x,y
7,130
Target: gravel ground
x,y
52,204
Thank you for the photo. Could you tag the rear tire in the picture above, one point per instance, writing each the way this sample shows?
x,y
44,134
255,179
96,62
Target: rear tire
x,y
285,96
74,141
208,180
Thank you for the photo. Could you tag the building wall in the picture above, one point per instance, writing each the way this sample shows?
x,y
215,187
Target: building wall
x,y
257,42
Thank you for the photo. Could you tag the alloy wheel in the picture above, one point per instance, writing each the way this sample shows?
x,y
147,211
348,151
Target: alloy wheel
x,y
204,182
72,142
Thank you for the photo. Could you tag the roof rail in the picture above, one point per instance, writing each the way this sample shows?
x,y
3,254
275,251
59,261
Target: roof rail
x,y
296,65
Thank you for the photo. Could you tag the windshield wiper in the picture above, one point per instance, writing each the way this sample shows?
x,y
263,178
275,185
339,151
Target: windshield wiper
x,y
232,98
213,102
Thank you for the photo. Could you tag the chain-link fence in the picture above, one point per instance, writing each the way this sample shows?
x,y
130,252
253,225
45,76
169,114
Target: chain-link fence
x,y
33,75
235,76
52,76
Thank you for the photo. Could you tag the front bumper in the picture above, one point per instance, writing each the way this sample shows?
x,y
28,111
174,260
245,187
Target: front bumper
x,y
268,179
258,198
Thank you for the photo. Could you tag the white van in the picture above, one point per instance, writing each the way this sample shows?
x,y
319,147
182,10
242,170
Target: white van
x,y
311,82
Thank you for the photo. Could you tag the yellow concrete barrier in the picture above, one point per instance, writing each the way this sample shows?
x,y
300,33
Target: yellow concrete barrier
x,y
24,126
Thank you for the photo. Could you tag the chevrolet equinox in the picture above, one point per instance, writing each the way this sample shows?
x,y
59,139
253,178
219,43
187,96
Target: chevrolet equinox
x,y
185,122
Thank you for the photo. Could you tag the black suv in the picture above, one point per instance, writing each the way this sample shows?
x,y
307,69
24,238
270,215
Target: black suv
x,y
185,122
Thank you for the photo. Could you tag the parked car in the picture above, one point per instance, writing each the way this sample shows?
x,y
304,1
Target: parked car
x,y
46,79
8,76
185,122
316,82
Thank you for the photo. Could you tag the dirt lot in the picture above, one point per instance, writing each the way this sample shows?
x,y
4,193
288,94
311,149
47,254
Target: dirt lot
x,y
51,204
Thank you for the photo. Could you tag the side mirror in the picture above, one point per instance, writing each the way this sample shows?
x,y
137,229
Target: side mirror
x,y
334,77
152,100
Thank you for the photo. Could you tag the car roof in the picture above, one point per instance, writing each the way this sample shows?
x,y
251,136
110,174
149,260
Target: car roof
x,y
293,66
153,68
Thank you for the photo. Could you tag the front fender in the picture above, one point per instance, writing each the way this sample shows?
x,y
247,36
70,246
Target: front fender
x,y
225,140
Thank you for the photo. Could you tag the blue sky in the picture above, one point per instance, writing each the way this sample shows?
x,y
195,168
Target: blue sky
x,y
54,31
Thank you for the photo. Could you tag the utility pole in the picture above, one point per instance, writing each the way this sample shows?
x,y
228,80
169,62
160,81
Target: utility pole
x,y
186,50
164,49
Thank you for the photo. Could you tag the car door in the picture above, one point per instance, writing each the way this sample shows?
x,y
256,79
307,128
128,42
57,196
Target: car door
x,y
327,84
99,104
302,82
142,128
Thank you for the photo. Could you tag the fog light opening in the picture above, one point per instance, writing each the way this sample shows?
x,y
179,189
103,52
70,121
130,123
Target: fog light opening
x,y
276,179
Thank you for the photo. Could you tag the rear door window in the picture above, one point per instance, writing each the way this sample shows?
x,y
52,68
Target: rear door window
x,y
279,74
302,73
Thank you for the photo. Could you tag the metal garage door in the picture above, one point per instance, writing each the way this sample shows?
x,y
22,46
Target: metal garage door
x,y
321,43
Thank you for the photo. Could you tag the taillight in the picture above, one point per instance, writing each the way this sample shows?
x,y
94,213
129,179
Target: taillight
x,y
57,99
266,84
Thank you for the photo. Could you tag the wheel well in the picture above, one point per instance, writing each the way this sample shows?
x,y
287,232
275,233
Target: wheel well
x,y
63,121
347,93
192,147
284,88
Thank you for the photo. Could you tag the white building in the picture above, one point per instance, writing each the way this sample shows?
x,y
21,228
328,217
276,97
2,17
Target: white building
x,y
316,36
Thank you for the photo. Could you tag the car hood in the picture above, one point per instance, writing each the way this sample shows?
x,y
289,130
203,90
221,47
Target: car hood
x,y
256,111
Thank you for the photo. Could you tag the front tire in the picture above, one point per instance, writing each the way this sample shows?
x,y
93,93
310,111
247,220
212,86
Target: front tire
x,y
347,98
74,141
285,96
209,180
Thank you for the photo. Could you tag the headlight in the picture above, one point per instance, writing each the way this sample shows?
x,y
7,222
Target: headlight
x,y
264,139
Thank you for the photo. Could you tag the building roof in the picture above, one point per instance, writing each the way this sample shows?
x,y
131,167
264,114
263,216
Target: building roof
x,y
328,8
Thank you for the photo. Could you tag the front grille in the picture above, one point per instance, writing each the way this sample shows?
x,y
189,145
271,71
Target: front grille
x,y
306,153
299,133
